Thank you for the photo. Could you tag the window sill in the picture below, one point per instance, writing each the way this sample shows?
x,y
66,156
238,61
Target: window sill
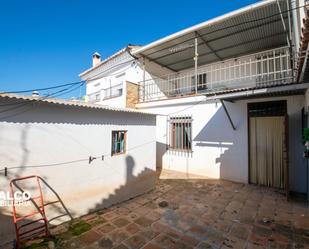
x,y
118,154
111,97
181,150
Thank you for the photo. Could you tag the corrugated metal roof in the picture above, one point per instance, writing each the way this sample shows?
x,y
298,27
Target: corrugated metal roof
x,y
248,30
18,99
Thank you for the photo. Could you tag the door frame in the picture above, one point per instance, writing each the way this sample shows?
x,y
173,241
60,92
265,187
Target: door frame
x,y
282,112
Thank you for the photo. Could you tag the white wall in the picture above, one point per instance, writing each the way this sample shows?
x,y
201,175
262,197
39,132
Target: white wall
x,y
218,150
50,134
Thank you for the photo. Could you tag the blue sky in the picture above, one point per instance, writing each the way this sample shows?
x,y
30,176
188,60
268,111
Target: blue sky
x,y
46,43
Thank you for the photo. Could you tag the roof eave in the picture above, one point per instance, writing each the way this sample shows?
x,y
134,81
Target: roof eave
x,y
103,62
197,27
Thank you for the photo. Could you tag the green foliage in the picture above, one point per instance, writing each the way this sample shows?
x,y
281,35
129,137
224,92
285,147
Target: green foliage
x,y
79,227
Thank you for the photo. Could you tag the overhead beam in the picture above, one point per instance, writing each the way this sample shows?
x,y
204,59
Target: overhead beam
x,y
207,45
228,47
214,39
227,114
150,60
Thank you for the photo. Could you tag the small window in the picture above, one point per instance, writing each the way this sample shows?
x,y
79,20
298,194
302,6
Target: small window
x,y
119,142
97,97
201,81
181,133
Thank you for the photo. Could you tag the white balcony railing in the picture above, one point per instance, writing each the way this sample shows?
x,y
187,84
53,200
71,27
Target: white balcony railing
x,y
94,97
107,93
112,92
258,70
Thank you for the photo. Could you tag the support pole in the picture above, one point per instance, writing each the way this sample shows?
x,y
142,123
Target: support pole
x,y
227,114
144,79
195,63
284,26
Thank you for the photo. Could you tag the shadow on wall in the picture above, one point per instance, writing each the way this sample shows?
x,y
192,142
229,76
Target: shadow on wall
x,y
218,133
57,114
134,186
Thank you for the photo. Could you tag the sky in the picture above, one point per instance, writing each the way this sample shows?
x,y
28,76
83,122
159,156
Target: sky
x,y
49,42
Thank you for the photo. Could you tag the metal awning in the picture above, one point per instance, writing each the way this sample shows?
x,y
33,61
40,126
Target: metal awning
x,y
251,29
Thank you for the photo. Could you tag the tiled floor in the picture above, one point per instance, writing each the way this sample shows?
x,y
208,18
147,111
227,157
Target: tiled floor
x,y
181,214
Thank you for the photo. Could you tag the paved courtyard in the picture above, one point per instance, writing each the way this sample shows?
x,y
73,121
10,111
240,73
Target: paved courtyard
x,y
198,213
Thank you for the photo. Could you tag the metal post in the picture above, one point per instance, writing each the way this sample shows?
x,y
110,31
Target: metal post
x,y
195,63
144,76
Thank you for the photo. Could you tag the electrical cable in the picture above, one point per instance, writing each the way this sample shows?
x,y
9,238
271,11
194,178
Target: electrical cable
x,y
43,89
217,30
27,102
91,79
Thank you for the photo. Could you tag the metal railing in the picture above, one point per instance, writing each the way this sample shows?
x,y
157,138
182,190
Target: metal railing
x,y
94,97
113,91
107,93
264,69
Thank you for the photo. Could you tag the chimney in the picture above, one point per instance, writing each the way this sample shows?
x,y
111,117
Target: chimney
x,y
96,59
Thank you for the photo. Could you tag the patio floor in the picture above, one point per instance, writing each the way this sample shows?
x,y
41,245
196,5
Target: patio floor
x,y
196,213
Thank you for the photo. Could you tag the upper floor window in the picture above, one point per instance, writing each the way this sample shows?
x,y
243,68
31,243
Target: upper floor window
x,y
113,91
201,81
181,133
119,142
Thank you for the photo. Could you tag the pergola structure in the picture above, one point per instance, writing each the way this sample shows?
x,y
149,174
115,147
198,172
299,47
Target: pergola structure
x,y
261,26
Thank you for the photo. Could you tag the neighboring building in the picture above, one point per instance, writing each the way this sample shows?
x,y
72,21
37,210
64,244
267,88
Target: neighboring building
x,y
57,140
229,97
114,81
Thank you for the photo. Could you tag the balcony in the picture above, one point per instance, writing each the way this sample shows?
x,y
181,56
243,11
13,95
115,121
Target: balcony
x,y
94,97
112,92
259,70
107,93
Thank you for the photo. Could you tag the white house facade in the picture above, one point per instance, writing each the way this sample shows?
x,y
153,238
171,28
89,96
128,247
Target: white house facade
x,y
229,95
114,81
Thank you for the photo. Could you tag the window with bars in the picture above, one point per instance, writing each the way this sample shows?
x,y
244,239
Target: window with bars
x,y
181,133
119,142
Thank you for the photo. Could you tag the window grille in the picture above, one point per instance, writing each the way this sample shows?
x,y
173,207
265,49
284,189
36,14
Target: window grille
x,y
181,133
